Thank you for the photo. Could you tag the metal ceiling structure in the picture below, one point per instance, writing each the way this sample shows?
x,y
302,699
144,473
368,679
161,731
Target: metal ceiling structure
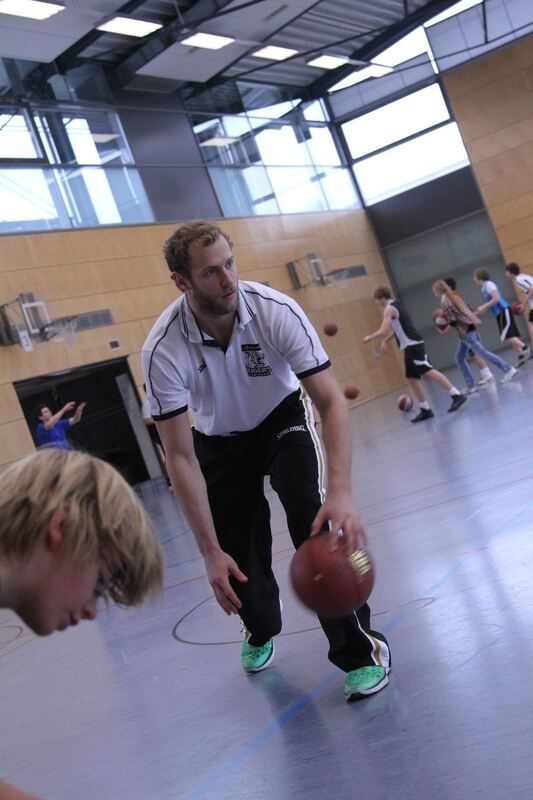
x,y
355,29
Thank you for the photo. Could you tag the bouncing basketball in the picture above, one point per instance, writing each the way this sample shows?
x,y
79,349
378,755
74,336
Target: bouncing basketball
x,y
331,583
405,403
351,392
330,329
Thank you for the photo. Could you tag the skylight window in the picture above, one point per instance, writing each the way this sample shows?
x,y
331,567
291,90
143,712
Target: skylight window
x,y
458,8
372,71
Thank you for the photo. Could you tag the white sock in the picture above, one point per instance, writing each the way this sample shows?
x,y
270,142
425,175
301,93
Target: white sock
x,y
454,391
425,405
485,372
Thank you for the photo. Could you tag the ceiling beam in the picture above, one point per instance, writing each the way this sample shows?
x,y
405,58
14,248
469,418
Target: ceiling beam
x,y
386,38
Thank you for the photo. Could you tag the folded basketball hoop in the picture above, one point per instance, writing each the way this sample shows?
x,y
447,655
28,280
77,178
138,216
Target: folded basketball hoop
x,y
62,329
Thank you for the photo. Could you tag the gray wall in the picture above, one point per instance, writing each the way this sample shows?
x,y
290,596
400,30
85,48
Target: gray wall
x,y
166,154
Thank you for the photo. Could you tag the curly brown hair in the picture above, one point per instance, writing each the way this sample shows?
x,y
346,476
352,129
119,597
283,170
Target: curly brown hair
x,y
176,248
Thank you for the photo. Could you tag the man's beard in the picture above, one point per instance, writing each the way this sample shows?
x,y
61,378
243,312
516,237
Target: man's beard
x,y
217,307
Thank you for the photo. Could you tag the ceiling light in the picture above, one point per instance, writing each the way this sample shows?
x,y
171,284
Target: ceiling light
x,y
218,141
372,71
327,62
31,9
275,53
103,138
207,40
129,27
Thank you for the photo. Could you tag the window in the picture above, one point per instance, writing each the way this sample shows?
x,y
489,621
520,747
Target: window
x,y
78,174
411,163
395,121
288,164
17,139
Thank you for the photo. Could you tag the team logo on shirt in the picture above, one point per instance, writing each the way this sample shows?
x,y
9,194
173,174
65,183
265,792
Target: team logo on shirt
x,y
254,360
202,366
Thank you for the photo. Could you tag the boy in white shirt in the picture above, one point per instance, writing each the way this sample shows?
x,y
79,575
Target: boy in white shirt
x,y
523,282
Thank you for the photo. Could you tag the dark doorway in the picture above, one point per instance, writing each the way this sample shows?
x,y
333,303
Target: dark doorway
x,y
105,429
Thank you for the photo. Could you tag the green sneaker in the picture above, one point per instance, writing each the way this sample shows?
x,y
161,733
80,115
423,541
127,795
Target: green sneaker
x,y
364,681
254,659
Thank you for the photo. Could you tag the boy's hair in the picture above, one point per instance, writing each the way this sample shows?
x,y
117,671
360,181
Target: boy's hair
x,y
482,274
38,410
103,518
176,248
452,283
382,293
513,268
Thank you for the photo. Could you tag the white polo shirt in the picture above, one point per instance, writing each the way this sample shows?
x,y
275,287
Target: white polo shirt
x,y
526,284
272,346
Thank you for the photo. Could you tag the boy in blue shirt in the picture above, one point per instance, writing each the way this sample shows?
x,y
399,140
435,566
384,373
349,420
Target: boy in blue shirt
x,y
52,429
499,307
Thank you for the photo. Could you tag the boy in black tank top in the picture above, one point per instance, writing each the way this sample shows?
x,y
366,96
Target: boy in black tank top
x,y
398,324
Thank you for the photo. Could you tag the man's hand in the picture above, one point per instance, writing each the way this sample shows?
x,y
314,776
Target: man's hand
x,y
219,567
69,406
346,529
480,310
367,339
383,346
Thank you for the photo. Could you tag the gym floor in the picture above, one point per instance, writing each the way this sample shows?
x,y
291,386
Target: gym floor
x,y
152,704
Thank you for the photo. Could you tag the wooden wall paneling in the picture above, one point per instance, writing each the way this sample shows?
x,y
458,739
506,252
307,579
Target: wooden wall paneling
x,y
93,244
516,233
508,137
125,305
478,73
15,441
491,95
10,408
15,252
497,192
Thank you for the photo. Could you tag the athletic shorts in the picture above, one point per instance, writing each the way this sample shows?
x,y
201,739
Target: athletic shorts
x,y
417,362
507,325
530,318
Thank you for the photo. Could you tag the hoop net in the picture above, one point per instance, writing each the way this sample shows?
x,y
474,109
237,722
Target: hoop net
x,y
62,329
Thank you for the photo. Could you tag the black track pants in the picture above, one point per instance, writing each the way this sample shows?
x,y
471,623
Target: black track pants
x,y
285,447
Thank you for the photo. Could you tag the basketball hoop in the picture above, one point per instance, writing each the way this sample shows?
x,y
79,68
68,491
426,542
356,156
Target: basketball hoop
x,y
62,329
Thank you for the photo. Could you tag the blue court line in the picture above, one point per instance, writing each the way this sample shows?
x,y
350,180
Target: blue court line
x,y
304,701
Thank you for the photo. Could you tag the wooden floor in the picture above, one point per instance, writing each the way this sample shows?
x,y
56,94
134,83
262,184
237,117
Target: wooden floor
x,y
152,704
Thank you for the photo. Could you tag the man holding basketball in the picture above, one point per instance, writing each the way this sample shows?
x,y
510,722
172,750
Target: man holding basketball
x,y
233,353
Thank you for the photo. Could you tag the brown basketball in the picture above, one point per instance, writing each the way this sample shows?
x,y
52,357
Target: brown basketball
x,y
439,319
330,329
405,403
351,392
331,584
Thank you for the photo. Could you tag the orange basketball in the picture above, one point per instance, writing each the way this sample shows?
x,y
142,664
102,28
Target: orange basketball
x,y
439,319
331,583
330,329
351,392
405,403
